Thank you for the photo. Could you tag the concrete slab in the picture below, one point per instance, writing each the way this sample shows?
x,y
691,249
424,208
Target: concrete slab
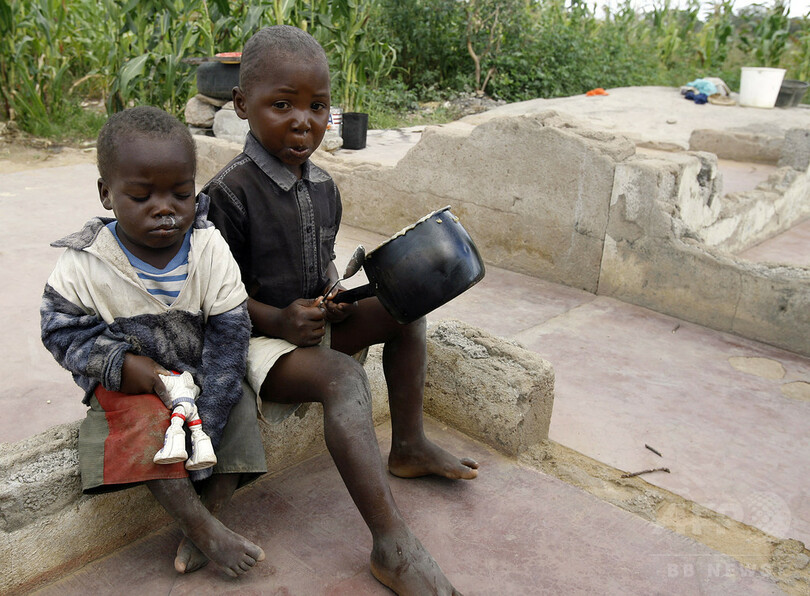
x,y
38,206
741,176
627,377
512,531
657,116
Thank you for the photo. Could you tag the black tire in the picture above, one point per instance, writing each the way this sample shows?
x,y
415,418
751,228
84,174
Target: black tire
x,y
217,80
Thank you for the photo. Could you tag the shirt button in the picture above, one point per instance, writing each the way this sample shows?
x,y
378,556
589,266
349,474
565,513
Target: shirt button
x,y
300,185
311,268
309,229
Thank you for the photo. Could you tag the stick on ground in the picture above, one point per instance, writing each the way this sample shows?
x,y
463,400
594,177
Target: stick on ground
x,y
654,450
645,472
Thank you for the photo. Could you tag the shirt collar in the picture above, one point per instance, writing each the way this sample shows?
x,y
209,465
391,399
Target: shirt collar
x,y
276,170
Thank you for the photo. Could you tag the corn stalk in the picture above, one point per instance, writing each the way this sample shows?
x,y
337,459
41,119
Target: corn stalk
x,y
765,34
360,61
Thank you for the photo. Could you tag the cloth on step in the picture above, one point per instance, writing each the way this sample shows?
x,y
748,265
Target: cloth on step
x,y
703,86
698,98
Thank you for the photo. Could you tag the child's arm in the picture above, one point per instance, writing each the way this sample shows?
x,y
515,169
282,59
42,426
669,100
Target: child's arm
x,y
224,363
83,344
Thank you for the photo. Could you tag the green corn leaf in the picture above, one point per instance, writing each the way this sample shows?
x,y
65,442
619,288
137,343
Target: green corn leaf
x,y
130,70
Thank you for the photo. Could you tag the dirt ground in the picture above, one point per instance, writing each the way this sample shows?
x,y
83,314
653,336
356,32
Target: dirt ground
x,y
23,153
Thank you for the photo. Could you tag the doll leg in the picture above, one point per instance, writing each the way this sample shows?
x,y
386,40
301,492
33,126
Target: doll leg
x,y
202,451
174,441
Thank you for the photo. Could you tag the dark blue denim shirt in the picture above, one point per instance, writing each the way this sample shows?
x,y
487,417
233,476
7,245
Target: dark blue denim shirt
x,y
281,230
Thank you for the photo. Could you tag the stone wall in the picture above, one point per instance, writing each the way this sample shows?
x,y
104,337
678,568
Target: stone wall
x,y
736,221
756,147
486,387
531,191
544,196
653,259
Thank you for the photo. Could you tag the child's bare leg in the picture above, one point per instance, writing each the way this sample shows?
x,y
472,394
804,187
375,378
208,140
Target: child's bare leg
x,y
215,495
339,383
229,550
405,365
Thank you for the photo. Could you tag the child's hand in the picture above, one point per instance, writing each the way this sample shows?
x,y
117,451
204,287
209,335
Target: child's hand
x,y
141,375
336,313
302,322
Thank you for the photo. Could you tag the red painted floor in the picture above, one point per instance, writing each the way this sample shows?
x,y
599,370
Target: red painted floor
x,y
511,531
790,247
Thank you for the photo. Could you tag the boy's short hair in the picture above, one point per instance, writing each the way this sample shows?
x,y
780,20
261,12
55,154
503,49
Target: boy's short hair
x,y
276,43
145,121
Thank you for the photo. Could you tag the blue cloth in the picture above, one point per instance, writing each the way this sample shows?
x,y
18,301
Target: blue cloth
x,y
703,86
698,98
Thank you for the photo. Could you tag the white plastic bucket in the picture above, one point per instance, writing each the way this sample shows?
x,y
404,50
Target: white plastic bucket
x,y
760,86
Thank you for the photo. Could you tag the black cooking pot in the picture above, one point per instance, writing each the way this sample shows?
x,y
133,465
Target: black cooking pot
x,y
420,268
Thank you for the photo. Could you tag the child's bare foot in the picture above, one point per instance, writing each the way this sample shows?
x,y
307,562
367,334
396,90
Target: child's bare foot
x,y
401,563
229,550
189,558
425,458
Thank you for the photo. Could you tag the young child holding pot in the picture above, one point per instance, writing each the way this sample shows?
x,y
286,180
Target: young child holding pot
x,y
280,214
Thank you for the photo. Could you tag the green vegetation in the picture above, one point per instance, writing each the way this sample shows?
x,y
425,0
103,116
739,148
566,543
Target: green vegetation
x,y
386,56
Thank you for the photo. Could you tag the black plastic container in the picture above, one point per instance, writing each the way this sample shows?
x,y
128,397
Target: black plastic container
x,y
354,130
791,93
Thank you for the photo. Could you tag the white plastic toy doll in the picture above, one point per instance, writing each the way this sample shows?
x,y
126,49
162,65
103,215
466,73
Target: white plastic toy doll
x,y
183,392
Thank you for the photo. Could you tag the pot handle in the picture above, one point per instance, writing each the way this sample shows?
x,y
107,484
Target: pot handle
x,y
355,294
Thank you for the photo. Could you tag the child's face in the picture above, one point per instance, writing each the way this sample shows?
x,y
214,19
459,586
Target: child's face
x,y
151,192
288,109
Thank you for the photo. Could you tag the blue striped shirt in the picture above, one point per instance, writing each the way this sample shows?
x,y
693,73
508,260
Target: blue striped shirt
x,y
164,284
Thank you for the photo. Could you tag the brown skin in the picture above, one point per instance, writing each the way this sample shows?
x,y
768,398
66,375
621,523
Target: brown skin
x,y
151,192
288,112
215,494
234,554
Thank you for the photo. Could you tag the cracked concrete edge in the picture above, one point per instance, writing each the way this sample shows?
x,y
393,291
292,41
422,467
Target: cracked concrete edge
x,y
786,561
498,392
